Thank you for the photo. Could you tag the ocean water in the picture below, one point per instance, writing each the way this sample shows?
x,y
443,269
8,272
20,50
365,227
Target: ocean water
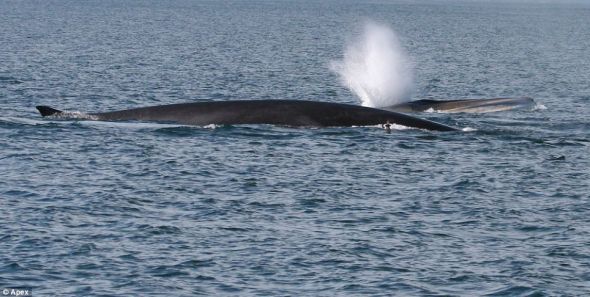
x,y
147,209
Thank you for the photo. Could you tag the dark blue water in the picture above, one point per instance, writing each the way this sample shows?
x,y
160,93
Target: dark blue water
x,y
94,208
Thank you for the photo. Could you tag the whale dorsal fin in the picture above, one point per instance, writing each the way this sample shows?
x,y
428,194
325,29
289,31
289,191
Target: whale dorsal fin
x,y
48,111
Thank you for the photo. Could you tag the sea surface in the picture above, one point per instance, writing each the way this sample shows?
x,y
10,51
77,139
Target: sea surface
x,y
148,209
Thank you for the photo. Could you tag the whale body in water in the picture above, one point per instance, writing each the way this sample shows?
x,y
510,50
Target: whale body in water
x,y
294,113
464,105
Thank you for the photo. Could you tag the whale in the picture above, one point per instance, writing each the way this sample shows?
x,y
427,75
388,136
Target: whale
x,y
463,105
293,113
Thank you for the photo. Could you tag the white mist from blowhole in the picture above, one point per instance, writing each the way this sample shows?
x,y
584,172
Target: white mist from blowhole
x,y
376,68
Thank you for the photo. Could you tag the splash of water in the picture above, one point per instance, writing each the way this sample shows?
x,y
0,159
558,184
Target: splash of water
x,y
376,68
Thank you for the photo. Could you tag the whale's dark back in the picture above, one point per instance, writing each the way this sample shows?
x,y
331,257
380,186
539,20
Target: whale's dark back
x,y
464,105
297,113
275,112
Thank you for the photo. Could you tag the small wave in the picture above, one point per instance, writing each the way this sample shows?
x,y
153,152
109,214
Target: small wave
x,y
23,121
130,125
514,291
211,126
393,127
539,106
399,127
468,129
10,80
68,120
